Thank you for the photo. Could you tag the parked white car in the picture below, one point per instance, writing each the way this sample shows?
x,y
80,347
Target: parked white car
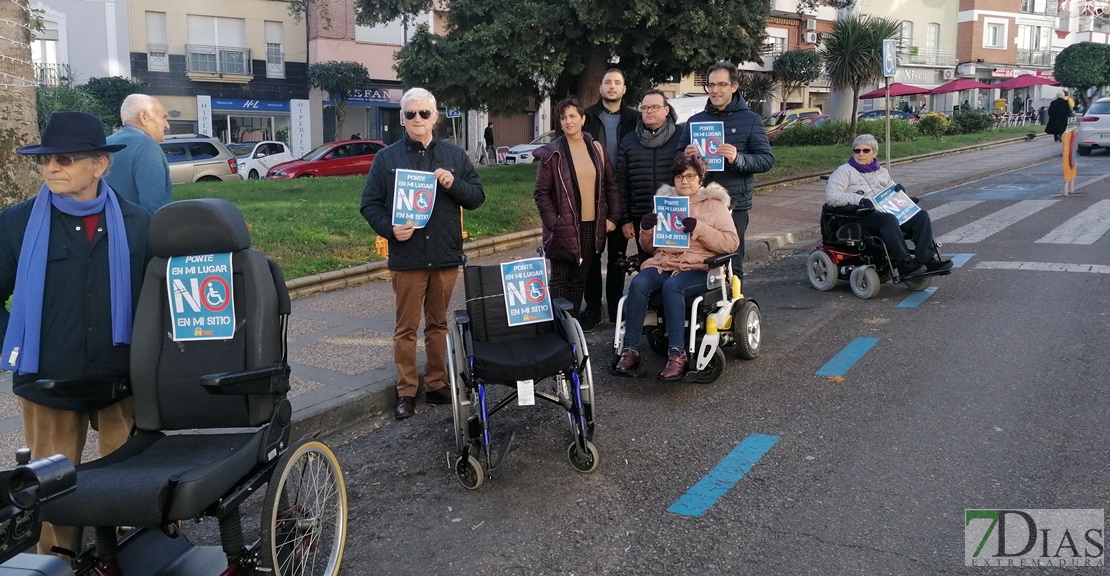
x,y
522,153
1094,127
256,158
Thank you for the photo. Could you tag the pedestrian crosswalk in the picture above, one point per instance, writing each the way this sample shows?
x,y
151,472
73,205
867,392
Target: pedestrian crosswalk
x,y
1085,225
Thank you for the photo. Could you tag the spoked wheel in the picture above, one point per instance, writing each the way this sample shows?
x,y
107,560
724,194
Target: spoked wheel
x,y
584,463
748,330
918,284
865,282
713,370
304,520
821,271
469,472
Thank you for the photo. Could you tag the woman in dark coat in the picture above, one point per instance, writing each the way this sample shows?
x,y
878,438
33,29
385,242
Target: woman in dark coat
x,y
1058,112
578,200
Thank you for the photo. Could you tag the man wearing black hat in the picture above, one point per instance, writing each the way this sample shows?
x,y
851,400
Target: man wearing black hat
x,y
74,257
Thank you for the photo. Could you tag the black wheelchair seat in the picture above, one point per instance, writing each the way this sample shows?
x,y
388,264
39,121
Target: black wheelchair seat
x,y
534,358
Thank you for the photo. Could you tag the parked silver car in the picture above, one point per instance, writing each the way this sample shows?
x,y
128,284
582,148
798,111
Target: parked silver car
x,y
1094,127
199,159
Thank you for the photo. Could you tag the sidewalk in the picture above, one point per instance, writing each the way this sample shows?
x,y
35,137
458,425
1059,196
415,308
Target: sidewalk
x,y
340,343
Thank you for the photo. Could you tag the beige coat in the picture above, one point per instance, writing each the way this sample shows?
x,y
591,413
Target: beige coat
x,y
714,234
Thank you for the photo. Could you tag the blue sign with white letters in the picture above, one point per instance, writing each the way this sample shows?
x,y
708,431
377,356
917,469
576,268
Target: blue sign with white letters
x,y
252,105
414,196
200,293
527,299
670,230
708,137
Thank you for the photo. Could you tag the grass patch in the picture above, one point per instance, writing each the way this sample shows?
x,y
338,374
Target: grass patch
x,y
313,225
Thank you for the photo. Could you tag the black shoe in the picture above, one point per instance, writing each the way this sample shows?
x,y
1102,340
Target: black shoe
x,y
589,320
406,406
909,267
939,265
439,396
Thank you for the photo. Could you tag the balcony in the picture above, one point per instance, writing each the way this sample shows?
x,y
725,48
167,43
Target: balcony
x,y
1039,7
928,56
1044,58
52,74
218,63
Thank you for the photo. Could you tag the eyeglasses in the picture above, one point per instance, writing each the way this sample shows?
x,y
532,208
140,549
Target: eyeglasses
x,y
410,114
688,177
650,109
861,150
63,160
718,85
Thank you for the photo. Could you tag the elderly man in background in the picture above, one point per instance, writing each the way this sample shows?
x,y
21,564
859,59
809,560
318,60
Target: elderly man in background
x,y
140,173
424,262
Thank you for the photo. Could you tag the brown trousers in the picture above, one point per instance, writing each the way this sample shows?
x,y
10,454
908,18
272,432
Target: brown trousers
x,y
427,291
50,431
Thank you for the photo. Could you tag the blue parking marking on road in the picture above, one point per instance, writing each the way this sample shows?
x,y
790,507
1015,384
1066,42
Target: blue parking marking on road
x,y
958,260
703,495
842,362
914,300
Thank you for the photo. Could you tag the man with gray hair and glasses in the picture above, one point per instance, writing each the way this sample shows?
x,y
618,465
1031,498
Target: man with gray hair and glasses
x,y
423,262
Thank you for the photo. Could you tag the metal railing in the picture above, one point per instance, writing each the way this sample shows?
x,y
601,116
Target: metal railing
x,y
928,56
217,59
1049,7
1036,57
52,74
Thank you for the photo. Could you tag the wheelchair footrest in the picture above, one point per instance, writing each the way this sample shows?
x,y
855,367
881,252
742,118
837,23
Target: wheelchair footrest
x,y
503,451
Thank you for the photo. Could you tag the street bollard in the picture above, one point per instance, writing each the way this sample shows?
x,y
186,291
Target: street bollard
x,y
382,246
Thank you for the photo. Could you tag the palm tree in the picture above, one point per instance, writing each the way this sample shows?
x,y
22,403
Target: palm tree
x,y
853,54
18,177
757,88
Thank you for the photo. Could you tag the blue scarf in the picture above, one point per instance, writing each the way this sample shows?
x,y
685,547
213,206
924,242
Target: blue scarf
x,y
24,335
865,168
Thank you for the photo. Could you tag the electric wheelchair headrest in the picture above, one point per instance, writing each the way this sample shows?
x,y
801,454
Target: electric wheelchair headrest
x,y
201,226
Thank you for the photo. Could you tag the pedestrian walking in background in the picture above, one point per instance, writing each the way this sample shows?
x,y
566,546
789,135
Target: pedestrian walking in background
x,y
491,148
1058,112
139,172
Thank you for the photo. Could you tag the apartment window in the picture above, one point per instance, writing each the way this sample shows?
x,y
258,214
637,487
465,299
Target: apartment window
x,y
907,33
157,57
275,57
216,45
932,36
993,36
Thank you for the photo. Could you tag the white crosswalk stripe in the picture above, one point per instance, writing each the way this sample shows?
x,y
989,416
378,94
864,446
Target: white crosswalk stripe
x,y
987,226
1084,228
1044,267
951,208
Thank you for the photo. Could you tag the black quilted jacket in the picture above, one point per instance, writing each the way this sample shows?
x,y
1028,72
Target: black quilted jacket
x,y
641,171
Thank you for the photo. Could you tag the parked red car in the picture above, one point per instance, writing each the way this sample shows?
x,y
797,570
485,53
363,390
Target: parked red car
x,y
343,158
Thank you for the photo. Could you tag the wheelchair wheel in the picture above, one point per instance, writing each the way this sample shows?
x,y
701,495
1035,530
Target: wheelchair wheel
x,y
918,284
304,519
712,371
821,271
584,463
748,330
865,282
657,341
469,472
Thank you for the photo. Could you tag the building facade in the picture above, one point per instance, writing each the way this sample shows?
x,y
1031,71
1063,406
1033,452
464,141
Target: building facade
x,y
80,40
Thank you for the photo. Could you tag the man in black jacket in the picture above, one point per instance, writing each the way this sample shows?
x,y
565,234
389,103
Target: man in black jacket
x,y
74,257
608,122
644,160
746,150
424,262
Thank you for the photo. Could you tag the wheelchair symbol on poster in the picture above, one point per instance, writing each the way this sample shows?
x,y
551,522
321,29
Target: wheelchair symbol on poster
x,y
215,293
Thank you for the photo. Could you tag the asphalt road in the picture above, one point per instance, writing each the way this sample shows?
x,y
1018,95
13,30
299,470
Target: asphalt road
x,y
989,393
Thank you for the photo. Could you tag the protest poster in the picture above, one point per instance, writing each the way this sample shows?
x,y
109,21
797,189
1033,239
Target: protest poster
x,y
896,202
527,299
414,195
669,230
199,289
707,137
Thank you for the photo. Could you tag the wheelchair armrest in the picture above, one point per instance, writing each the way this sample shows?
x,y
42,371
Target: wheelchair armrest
x,y
719,260
86,388
916,200
562,304
846,210
268,380
462,317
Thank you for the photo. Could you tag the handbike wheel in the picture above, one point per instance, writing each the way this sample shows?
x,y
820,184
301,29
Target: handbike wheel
x,y
584,463
304,519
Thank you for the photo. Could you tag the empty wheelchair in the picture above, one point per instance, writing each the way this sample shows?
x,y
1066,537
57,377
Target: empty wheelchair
x,y
550,358
718,317
213,421
848,253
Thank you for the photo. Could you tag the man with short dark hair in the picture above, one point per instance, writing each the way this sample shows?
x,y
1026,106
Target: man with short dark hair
x,y
491,148
74,258
423,262
644,160
608,122
746,150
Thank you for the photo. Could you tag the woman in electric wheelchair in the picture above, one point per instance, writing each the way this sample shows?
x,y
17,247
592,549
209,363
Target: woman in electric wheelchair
x,y
679,272
855,183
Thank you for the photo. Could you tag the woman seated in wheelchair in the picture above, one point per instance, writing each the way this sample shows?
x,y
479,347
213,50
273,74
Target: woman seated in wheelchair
x,y
678,272
856,183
